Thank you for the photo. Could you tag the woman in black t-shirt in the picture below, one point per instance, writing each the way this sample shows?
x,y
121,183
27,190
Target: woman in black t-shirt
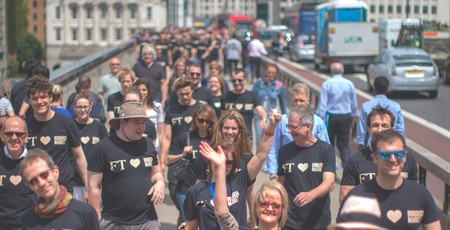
x,y
203,125
217,90
179,71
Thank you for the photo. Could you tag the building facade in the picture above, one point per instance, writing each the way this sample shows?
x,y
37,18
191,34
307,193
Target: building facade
x,y
36,19
77,28
3,42
209,8
180,13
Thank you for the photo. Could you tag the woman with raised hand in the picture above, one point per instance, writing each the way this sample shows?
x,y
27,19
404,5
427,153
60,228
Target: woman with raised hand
x,y
200,197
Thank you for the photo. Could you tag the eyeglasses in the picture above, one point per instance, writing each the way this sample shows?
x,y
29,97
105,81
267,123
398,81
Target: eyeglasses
x,y
386,155
239,80
291,127
265,205
203,121
82,107
229,162
43,175
18,134
195,73
114,64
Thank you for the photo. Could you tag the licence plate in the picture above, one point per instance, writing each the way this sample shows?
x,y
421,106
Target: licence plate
x,y
414,74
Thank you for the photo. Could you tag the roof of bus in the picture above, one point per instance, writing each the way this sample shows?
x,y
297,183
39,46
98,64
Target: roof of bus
x,y
342,4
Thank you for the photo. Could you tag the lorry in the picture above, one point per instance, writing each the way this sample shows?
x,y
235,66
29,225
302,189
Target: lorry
x,y
344,35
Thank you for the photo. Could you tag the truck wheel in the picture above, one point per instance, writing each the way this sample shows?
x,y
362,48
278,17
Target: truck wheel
x,y
433,94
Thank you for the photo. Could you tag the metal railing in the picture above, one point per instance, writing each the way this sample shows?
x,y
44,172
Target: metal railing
x,y
427,161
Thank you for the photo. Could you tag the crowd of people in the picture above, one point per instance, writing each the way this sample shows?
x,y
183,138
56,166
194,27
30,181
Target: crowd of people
x,y
181,119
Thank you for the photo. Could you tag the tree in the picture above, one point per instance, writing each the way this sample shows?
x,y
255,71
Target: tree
x,y
16,23
28,46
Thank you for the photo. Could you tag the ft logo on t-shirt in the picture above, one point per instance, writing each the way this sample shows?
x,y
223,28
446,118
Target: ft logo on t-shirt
x,y
302,167
45,140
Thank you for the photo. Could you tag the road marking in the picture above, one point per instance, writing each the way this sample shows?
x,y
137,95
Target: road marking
x,y
436,128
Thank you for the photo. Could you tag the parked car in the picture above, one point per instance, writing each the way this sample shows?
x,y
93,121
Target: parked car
x,y
302,48
408,69
265,36
446,71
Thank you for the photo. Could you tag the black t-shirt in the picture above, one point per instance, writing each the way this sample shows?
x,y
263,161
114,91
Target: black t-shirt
x,y
360,168
199,203
79,216
201,94
18,93
176,51
180,119
201,48
214,55
164,46
126,168
303,168
90,134
149,130
115,100
201,165
190,178
56,136
163,61
153,75
407,207
217,104
15,196
244,103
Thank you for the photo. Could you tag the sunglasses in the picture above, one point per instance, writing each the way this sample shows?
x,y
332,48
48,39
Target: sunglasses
x,y
265,205
291,127
386,155
18,134
43,175
203,121
237,80
82,107
229,162
194,73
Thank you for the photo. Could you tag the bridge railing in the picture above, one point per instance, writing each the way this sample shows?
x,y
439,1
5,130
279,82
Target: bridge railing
x,y
426,160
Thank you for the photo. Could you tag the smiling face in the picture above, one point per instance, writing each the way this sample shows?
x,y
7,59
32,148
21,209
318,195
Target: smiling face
x,y
239,82
271,74
203,122
230,129
379,123
214,84
14,136
40,102
82,109
392,167
42,179
269,207
298,131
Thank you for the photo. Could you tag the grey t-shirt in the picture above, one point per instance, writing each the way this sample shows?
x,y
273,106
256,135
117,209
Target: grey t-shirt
x,y
232,48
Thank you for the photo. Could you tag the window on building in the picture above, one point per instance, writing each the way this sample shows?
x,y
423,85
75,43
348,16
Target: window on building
x,y
34,16
118,10
390,9
399,9
104,12
434,10
58,34
58,12
416,9
149,12
104,34
425,9
74,34
89,12
74,12
89,34
35,29
372,8
34,4
133,31
118,34
381,9
133,12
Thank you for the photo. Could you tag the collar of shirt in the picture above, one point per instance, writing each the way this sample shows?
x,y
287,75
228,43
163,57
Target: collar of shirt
x,y
338,76
24,154
380,96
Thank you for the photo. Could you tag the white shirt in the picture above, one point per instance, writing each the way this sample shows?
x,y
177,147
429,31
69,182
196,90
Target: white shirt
x,y
256,48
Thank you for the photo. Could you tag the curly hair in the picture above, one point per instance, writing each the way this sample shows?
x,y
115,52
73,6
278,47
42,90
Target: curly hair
x,y
38,83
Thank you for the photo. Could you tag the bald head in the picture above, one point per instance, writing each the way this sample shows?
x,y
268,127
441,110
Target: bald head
x,y
337,68
14,135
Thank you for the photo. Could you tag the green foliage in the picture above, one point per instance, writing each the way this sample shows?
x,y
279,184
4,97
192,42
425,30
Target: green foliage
x,y
28,47
17,23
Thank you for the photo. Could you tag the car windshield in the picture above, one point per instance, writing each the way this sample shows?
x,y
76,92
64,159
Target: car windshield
x,y
263,34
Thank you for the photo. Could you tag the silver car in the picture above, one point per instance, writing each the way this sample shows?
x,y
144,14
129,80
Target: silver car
x,y
408,69
302,49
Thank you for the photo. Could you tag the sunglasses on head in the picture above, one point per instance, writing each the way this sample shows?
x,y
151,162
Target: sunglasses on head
x,y
386,155
264,205
43,175
18,134
237,80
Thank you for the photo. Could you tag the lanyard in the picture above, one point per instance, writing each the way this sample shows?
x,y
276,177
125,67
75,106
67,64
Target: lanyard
x,y
211,190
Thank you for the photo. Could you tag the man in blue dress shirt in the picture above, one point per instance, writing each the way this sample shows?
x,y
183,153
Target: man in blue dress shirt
x,y
299,97
338,108
381,85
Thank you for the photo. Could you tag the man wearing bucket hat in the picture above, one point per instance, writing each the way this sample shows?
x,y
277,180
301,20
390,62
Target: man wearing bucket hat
x,y
125,166
358,212
404,204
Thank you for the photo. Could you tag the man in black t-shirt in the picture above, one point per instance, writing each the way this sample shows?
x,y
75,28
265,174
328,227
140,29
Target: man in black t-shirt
x,y
55,207
124,169
15,197
54,133
404,204
360,167
307,170
244,101
153,73
126,79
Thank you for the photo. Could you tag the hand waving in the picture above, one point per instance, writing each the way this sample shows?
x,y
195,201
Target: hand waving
x,y
215,157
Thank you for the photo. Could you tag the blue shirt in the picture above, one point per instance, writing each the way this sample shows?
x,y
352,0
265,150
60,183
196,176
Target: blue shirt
x,y
268,93
366,108
338,96
282,137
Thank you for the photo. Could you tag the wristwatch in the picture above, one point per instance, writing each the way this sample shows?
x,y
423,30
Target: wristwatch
x,y
273,176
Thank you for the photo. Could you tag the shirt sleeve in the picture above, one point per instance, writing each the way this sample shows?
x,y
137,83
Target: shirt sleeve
x,y
412,166
272,158
349,175
430,210
96,160
323,100
400,123
361,130
320,130
282,99
329,159
354,103
75,136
